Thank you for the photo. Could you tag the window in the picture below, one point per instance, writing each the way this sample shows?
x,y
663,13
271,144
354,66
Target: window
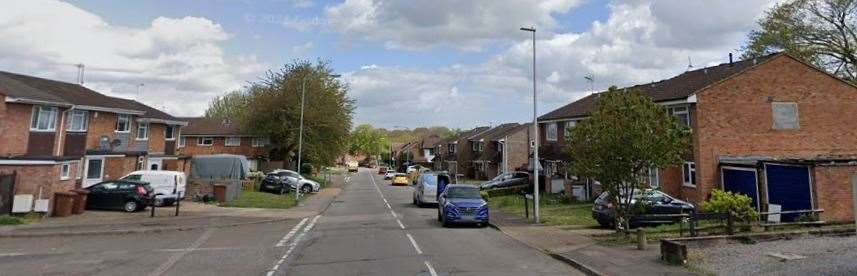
x,y
123,123
65,171
500,148
569,125
681,114
233,141
182,142
650,176
77,120
474,146
785,116
170,133
205,141
44,118
689,174
143,131
451,148
260,142
551,132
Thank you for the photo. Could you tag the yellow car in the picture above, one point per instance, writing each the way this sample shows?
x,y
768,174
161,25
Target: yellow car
x,y
400,179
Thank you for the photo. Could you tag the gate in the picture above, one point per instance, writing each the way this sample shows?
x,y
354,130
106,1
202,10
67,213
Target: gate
x,y
790,187
742,181
7,192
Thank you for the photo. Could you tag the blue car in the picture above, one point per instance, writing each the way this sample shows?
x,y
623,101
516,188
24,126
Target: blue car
x,y
462,204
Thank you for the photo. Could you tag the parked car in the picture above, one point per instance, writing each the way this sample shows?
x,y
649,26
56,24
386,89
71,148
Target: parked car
x,y
506,180
654,203
382,170
283,181
167,185
126,195
461,203
352,166
425,190
389,174
400,179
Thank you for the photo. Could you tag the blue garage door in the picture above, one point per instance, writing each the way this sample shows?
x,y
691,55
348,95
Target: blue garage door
x,y
742,181
789,187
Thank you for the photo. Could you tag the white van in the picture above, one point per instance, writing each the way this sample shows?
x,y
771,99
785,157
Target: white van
x,y
166,184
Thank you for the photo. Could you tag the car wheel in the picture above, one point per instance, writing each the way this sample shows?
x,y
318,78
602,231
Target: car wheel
x,y
305,189
443,222
439,217
130,206
415,200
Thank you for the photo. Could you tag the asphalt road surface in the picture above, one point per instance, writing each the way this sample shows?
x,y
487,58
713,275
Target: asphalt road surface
x,y
371,229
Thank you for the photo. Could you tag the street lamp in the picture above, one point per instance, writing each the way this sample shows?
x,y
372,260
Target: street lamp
x,y
301,132
535,132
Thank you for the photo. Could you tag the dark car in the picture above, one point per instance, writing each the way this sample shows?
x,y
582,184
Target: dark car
x,y
653,203
462,204
506,180
126,195
382,170
279,182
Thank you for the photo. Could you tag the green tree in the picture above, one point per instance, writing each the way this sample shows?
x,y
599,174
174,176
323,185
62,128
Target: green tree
x,y
625,136
366,140
271,107
822,32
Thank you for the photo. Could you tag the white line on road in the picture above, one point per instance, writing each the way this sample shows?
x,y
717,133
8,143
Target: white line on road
x,y
291,233
414,243
178,255
400,224
431,269
292,246
394,213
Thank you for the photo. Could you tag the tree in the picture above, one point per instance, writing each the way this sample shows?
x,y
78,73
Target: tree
x,y
625,136
368,141
821,32
271,108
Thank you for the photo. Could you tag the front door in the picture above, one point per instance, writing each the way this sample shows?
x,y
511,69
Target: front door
x,y
94,171
7,191
155,164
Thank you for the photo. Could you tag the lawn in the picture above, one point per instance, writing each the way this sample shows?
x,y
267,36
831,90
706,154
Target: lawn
x,y
555,210
10,220
254,199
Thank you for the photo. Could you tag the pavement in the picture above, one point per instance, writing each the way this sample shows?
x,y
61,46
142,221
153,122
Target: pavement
x,y
578,249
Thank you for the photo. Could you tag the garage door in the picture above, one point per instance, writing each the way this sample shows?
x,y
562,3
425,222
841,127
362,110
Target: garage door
x,y
789,187
742,181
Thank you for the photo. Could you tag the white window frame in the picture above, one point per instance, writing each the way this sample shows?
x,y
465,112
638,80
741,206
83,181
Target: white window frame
x,y
36,118
259,142
199,141
227,143
652,177
65,171
500,146
127,119
82,115
774,117
550,131
671,110
142,128
450,148
182,142
688,173
170,127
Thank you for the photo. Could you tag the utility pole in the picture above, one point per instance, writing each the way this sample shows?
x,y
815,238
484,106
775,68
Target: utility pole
x,y
536,165
301,131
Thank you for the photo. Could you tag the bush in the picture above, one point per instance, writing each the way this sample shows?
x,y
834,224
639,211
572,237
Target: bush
x,y
10,220
307,168
738,204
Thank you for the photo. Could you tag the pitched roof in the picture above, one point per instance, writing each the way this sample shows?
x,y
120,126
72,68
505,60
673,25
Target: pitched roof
x,y
493,131
675,88
430,141
465,134
64,93
210,127
510,130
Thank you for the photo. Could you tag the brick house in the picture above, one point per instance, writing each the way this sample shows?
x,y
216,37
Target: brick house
x,y
773,128
57,136
423,151
456,154
504,147
204,136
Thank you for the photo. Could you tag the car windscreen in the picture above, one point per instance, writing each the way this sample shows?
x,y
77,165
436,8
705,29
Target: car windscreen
x,y
430,180
462,192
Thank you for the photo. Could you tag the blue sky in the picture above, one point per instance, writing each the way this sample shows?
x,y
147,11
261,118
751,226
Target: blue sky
x,y
409,63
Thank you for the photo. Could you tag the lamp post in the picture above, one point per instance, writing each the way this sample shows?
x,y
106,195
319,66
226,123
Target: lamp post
x,y
301,131
535,132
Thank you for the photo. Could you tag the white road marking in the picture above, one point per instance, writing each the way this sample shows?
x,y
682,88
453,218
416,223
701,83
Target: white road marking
x,y
394,213
176,257
414,243
292,246
430,269
291,233
400,224
388,206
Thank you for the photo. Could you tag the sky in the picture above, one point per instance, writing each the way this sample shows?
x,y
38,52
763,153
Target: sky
x,y
408,63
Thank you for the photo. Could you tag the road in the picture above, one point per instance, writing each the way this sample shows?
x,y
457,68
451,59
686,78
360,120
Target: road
x,y
371,229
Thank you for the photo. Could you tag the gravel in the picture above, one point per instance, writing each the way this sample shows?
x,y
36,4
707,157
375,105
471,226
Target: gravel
x,y
824,256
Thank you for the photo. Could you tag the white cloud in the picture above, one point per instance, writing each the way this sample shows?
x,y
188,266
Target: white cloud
x,y
405,24
176,58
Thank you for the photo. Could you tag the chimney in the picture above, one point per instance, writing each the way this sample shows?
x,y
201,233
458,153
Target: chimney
x,y
730,59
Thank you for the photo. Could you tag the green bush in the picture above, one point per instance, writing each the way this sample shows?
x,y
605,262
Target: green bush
x,y
307,168
10,220
738,204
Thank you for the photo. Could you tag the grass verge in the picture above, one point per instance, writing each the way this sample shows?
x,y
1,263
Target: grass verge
x,y
10,220
555,210
254,199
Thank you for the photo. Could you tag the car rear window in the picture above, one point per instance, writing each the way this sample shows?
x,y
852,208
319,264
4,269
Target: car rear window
x,y
463,192
430,180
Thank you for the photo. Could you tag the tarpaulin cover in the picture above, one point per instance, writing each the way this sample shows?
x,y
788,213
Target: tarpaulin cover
x,y
219,166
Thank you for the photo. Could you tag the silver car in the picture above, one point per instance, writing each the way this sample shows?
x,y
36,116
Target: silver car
x,y
425,189
307,185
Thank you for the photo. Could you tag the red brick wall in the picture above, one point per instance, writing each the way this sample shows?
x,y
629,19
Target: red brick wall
x,y
833,192
734,118
32,177
518,148
100,123
15,128
246,148
116,167
156,138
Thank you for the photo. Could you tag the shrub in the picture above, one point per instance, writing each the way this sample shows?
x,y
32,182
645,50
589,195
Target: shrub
x,y
738,204
10,220
307,168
